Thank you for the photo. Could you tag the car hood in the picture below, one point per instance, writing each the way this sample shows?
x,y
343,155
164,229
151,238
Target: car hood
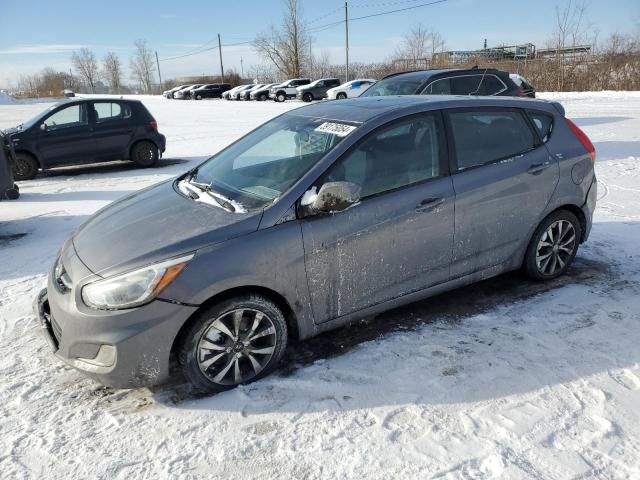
x,y
152,225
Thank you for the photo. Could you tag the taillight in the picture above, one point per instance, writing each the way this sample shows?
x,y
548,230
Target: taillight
x,y
584,140
154,125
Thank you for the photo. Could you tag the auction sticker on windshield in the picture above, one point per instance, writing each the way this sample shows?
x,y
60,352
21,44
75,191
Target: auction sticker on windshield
x,y
339,129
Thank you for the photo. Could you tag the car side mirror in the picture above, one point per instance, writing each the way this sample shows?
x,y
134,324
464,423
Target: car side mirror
x,y
332,197
43,127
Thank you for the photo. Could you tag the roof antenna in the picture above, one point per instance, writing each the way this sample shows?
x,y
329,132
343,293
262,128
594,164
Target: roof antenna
x,y
475,92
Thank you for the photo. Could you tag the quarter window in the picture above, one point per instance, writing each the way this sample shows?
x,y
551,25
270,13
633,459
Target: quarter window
x,y
482,137
72,116
492,85
402,154
439,87
466,85
543,124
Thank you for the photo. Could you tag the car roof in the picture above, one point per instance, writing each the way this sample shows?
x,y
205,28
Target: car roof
x,y
425,74
363,109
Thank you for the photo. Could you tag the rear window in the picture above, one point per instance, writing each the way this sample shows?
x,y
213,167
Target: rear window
x,y
466,85
543,124
491,85
486,136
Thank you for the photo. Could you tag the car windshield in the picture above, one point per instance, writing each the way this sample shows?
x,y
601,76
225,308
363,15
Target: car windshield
x,y
257,169
38,118
393,86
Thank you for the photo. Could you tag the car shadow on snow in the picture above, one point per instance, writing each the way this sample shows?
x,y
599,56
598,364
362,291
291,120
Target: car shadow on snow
x,y
115,166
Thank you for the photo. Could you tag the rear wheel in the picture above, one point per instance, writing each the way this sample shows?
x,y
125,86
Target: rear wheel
x,y
262,97
554,246
234,342
307,97
341,96
25,167
145,154
198,97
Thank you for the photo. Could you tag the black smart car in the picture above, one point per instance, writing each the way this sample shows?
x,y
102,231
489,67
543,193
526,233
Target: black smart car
x,y
452,81
85,131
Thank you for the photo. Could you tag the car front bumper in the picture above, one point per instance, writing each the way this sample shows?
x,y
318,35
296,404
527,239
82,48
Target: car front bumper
x,y
118,348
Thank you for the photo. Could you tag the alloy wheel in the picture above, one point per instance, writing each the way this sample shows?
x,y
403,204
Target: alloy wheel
x,y
556,247
237,346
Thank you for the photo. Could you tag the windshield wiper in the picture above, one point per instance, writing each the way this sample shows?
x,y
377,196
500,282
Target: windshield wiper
x,y
221,200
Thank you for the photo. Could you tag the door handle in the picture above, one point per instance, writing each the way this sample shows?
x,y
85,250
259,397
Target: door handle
x,y
537,168
429,204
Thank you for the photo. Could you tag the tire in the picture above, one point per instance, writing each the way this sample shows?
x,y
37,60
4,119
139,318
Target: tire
x,y
12,193
262,97
25,167
341,96
280,97
307,97
213,357
145,153
198,97
553,246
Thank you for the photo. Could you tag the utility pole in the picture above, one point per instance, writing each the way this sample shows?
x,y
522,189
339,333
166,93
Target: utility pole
x,y
221,67
159,75
241,68
346,35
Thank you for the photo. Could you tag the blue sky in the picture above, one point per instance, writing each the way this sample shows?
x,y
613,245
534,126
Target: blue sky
x,y
39,33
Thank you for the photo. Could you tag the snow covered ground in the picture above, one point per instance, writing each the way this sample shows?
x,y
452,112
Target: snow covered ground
x,y
504,379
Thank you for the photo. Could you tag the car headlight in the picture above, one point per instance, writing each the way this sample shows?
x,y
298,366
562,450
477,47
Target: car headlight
x,y
134,288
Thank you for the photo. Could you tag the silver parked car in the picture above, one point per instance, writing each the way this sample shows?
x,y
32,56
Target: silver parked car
x,y
322,215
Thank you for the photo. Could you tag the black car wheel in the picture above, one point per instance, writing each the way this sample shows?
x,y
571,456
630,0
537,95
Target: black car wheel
x,y
341,96
25,167
553,246
198,97
233,342
307,97
262,97
145,153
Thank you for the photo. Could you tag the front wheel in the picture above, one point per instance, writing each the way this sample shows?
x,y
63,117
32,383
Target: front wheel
x,y
341,96
262,97
198,97
307,97
234,342
145,154
25,167
281,97
554,246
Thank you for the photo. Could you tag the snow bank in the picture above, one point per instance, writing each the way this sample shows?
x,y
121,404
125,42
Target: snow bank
x,y
6,99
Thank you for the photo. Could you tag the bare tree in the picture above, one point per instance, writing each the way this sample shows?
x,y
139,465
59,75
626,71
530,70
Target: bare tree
x,y
287,46
142,64
419,46
84,61
112,71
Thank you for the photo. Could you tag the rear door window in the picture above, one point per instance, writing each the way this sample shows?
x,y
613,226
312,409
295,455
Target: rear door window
x,y
492,85
466,85
486,136
543,124
111,111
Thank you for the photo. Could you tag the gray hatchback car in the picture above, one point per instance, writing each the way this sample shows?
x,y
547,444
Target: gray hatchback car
x,y
322,215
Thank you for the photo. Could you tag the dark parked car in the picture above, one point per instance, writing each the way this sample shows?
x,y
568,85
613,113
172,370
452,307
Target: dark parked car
x,y
473,81
185,93
77,132
261,94
8,189
316,90
214,90
246,94
308,223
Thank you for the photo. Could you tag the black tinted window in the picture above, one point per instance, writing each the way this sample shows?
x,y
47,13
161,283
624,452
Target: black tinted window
x,y
465,85
438,87
491,85
393,86
394,156
543,124
485,136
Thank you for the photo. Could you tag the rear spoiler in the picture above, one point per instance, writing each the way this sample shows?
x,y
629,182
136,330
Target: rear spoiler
x,y
558,107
